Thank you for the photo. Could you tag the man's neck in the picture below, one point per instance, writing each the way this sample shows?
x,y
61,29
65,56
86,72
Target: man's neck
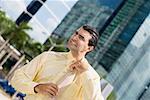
x,y
78,56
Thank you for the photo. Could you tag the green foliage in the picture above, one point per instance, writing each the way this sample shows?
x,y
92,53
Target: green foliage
x,y
32,49
112,96
58,43
18,37
5,22
60,49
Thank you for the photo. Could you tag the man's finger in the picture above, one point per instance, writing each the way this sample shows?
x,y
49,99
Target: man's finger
x,y
47,93
50,92
54,85
76,63
54,89
72,66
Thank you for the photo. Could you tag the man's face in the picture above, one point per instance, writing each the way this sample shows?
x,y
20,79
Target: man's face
x,y
79,41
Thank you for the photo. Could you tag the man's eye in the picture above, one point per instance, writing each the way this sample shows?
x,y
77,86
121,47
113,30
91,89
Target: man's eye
x,y
76,33
81,37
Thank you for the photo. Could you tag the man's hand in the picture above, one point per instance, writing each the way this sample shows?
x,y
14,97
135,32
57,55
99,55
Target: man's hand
x,y
47,88
78,67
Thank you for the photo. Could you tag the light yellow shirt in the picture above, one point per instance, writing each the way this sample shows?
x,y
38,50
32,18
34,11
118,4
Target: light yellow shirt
x,y
53,67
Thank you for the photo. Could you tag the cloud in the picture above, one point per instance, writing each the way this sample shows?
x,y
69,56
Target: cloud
x,y
51,24
13,7
37,32
40,33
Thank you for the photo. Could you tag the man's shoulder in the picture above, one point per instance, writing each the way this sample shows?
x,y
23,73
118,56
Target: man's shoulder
x,y
55,54
91,73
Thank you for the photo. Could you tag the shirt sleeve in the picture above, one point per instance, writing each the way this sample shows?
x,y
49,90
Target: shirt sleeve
x,y
92,89
23,79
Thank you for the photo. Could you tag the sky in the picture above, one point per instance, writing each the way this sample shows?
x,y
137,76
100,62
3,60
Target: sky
x,y
45,20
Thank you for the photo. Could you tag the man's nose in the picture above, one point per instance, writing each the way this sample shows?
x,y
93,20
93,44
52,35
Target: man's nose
x,y
75,38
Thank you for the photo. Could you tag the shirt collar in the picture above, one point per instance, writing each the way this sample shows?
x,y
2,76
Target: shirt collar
x,y
71,58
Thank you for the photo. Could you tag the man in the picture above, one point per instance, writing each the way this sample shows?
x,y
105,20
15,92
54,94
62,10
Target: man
x,y
62,76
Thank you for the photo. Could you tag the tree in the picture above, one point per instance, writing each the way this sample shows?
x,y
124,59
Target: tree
x,y
55,44
32,49
5,22
17,35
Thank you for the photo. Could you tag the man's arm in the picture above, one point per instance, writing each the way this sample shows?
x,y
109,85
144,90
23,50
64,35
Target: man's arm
x,y
23,79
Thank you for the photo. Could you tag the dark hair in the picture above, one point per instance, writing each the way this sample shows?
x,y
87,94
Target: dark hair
x,y
95,35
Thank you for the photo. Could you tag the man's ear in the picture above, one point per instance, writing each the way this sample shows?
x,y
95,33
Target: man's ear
x,y
90,48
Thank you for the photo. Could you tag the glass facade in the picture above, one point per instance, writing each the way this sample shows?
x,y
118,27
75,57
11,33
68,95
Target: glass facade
x,y
130,73
83,12
118,34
